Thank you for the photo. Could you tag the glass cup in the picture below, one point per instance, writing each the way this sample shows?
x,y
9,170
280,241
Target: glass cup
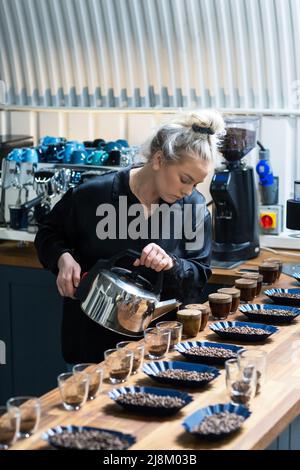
x,y
157,342
258,358
73,389
204,309
235,297
9,426
191,321
240,382
138,350
220,305
30,413
119,364
175,327
95,374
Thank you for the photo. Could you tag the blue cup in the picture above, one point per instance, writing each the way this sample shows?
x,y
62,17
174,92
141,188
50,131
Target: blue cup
x,y
109,146
30,155
15,155
49,140
80,157
98,157
123,143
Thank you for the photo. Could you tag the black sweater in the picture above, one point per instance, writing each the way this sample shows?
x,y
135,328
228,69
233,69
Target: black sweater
x,y
71,227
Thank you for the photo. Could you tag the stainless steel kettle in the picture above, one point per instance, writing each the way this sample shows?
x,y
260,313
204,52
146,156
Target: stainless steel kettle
x,y
120,299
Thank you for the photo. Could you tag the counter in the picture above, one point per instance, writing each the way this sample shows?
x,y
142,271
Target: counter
x,y
272,411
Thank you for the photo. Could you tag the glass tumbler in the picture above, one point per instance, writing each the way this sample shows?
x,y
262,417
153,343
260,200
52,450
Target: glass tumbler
x,y
119,364
138,350
157,342
95,374
73,389
257,358
30,413
175,327
240,382
9,426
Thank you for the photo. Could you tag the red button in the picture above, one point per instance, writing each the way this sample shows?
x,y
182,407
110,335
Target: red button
x,y
266,221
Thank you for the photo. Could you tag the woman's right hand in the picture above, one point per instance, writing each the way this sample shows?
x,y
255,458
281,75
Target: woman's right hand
x,y
68,276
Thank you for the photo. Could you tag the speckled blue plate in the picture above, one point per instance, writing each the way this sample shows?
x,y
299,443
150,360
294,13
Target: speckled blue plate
x,y
153,410
252,311
220,329
183,348
48,435
286,300
152,369
196,418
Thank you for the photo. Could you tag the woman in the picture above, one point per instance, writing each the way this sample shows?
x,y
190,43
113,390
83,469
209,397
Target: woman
x,y
76,234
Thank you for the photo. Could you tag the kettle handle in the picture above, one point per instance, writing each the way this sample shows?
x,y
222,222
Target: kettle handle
x,y
135,254
86,281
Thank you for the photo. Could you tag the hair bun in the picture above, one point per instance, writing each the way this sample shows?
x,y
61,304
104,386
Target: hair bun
x,y
202,130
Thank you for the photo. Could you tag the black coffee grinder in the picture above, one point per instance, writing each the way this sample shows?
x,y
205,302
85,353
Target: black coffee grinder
x,y
235,212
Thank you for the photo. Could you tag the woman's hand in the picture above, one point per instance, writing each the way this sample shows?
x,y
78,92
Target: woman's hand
x,y
68,276
153,256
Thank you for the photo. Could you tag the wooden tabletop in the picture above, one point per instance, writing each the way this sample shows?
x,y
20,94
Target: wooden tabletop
x,y
272,410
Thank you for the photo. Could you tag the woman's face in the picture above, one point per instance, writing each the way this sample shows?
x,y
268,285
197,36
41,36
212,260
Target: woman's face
x,y
177,180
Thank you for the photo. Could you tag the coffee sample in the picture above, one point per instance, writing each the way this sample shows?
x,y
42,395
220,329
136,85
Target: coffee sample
x,y
286,295
220,305
277,313
279,264
188,375
151,400
175,328
209,351
191,321
89,440
204,313
244,330
219,423
269,272
6,436
240,392
258,278
235,295
247,287
118,374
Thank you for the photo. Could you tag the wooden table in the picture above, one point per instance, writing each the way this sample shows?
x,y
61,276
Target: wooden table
x,y
272,410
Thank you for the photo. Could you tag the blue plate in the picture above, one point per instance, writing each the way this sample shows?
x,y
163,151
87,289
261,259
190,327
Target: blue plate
x,y
296,276
252,311
153,368
157,410
220,329
286,300
196,418
48,435
183,348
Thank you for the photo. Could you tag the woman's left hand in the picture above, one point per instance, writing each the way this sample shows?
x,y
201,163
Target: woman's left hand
x,y
154,257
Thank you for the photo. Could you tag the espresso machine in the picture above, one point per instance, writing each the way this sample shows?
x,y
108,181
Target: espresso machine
x,y
235,210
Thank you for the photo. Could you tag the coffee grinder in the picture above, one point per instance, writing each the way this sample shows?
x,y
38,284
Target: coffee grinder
x,y
235,211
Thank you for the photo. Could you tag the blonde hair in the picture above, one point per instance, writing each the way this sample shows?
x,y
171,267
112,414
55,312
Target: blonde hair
x,y
196,132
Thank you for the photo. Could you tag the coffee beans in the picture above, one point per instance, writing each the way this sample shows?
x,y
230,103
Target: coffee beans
x,y
244,330
219,423
286,295
277,312
89,439
240,392
210,351
151,400
188,375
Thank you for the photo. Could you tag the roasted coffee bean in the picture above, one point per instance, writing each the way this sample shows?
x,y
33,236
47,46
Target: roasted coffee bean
x,y
219,423
157,350
119,374
151,400
210,351
277,312
245,330
187,375
286,295
27,425
240,392
89,439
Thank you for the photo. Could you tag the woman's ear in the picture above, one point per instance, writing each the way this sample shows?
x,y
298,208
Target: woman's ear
x,y
157,160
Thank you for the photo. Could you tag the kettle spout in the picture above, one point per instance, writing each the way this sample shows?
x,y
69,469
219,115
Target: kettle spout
x,y
164,307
